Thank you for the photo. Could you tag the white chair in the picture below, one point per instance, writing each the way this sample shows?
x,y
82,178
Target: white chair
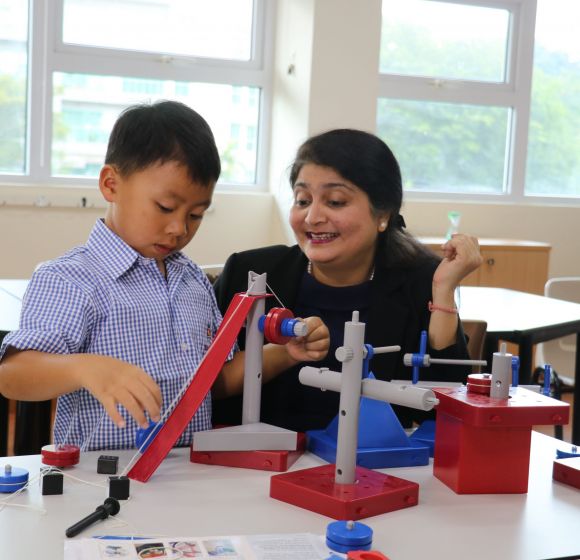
x,y
560,353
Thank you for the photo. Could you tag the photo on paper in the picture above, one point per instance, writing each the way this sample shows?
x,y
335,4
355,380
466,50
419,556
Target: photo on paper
x,y
188,549
120,550
219,547
152,550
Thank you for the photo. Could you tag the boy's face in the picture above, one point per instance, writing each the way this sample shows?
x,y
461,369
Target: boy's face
x,y
157,210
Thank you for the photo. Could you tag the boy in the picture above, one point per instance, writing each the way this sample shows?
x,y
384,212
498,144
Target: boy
x,y
125,320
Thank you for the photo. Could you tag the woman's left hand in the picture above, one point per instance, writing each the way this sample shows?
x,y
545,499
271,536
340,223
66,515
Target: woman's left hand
x,y
314,345
460,257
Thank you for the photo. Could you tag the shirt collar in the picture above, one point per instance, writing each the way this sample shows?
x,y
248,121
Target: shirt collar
x,y
115,255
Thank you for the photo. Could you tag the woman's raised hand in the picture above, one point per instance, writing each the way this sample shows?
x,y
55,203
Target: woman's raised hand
x,y
460,257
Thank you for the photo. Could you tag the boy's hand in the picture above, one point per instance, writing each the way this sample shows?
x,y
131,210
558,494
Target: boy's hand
x,y
312,347
114,382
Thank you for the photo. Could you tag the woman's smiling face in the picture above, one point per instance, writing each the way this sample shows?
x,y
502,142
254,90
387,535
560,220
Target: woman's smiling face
x,y
333,221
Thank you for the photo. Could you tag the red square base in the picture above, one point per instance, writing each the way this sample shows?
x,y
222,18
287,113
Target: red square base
x,y
275,461
567,471
372,494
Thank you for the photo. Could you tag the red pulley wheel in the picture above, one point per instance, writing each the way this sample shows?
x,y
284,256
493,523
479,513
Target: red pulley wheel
x,y
60,455
273,325
479,383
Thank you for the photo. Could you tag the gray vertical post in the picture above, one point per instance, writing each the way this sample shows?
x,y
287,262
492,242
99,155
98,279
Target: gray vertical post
x,y
351,356
501,374
254,349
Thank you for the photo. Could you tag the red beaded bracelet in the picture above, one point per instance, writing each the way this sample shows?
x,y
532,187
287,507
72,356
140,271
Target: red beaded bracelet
x,y
433,307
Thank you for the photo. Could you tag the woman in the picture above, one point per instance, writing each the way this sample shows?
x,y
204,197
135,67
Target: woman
x,y
353,254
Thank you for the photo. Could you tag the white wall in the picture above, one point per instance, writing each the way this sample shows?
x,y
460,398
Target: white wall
x,y
235,222
332,46
324,77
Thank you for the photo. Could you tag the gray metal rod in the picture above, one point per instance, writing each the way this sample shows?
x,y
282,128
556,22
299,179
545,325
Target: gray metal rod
x,y
386,349
501,374
402,394
254,349
350,392
452,362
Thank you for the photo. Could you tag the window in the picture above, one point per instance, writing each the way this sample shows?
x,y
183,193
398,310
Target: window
x,y
456,101
553,164
13,85
209,55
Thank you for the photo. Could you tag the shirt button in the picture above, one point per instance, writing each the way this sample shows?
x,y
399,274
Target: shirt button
x,y
184,346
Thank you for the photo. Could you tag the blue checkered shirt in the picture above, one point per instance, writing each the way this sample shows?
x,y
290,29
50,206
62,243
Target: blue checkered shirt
x,y
105,298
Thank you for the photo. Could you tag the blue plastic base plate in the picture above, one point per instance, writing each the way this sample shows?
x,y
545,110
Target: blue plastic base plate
x,y
415,455
425,435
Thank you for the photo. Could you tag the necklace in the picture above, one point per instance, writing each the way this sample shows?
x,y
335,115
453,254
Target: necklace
x,y
309,270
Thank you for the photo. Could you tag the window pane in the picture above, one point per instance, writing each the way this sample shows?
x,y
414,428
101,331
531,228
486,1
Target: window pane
x,y
13,85
440,40
214,29
86,107
553,165
446,147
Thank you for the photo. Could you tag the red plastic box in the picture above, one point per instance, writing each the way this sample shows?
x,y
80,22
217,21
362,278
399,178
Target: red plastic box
x,y
482,445
567,471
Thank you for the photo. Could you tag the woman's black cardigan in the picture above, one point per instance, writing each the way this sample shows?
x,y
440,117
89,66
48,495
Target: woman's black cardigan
x,y
398,312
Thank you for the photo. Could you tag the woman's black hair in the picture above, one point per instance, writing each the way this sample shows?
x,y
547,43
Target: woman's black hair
x,y
165,131
367,162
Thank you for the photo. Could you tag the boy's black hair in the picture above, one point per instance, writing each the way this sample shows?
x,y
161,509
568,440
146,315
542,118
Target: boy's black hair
x,y
164,131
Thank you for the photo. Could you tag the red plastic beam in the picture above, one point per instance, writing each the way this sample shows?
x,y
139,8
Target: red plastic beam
x,y
191,400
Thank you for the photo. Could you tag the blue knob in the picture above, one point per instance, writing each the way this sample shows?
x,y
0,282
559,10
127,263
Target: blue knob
x,y
343,536
141,441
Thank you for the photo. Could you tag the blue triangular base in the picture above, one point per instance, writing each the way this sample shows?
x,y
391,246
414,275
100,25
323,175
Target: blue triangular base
x,y
425,435
382,441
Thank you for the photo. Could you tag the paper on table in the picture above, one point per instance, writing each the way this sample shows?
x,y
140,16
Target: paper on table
x,y
305,546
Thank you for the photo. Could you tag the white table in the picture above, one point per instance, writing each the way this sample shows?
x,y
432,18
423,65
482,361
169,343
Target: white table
x,y
11,294
185,499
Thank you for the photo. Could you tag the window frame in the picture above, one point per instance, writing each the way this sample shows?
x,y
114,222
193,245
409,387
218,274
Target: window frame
x,y
514,94
48,54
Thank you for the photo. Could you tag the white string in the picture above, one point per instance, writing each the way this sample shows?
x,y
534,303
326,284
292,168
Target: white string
x,y
174,402
91,435
6,502
18,298
68,475
74,417
274,294
121,522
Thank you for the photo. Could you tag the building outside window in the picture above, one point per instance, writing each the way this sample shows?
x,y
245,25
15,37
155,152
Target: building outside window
x,y
63,86
481,97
